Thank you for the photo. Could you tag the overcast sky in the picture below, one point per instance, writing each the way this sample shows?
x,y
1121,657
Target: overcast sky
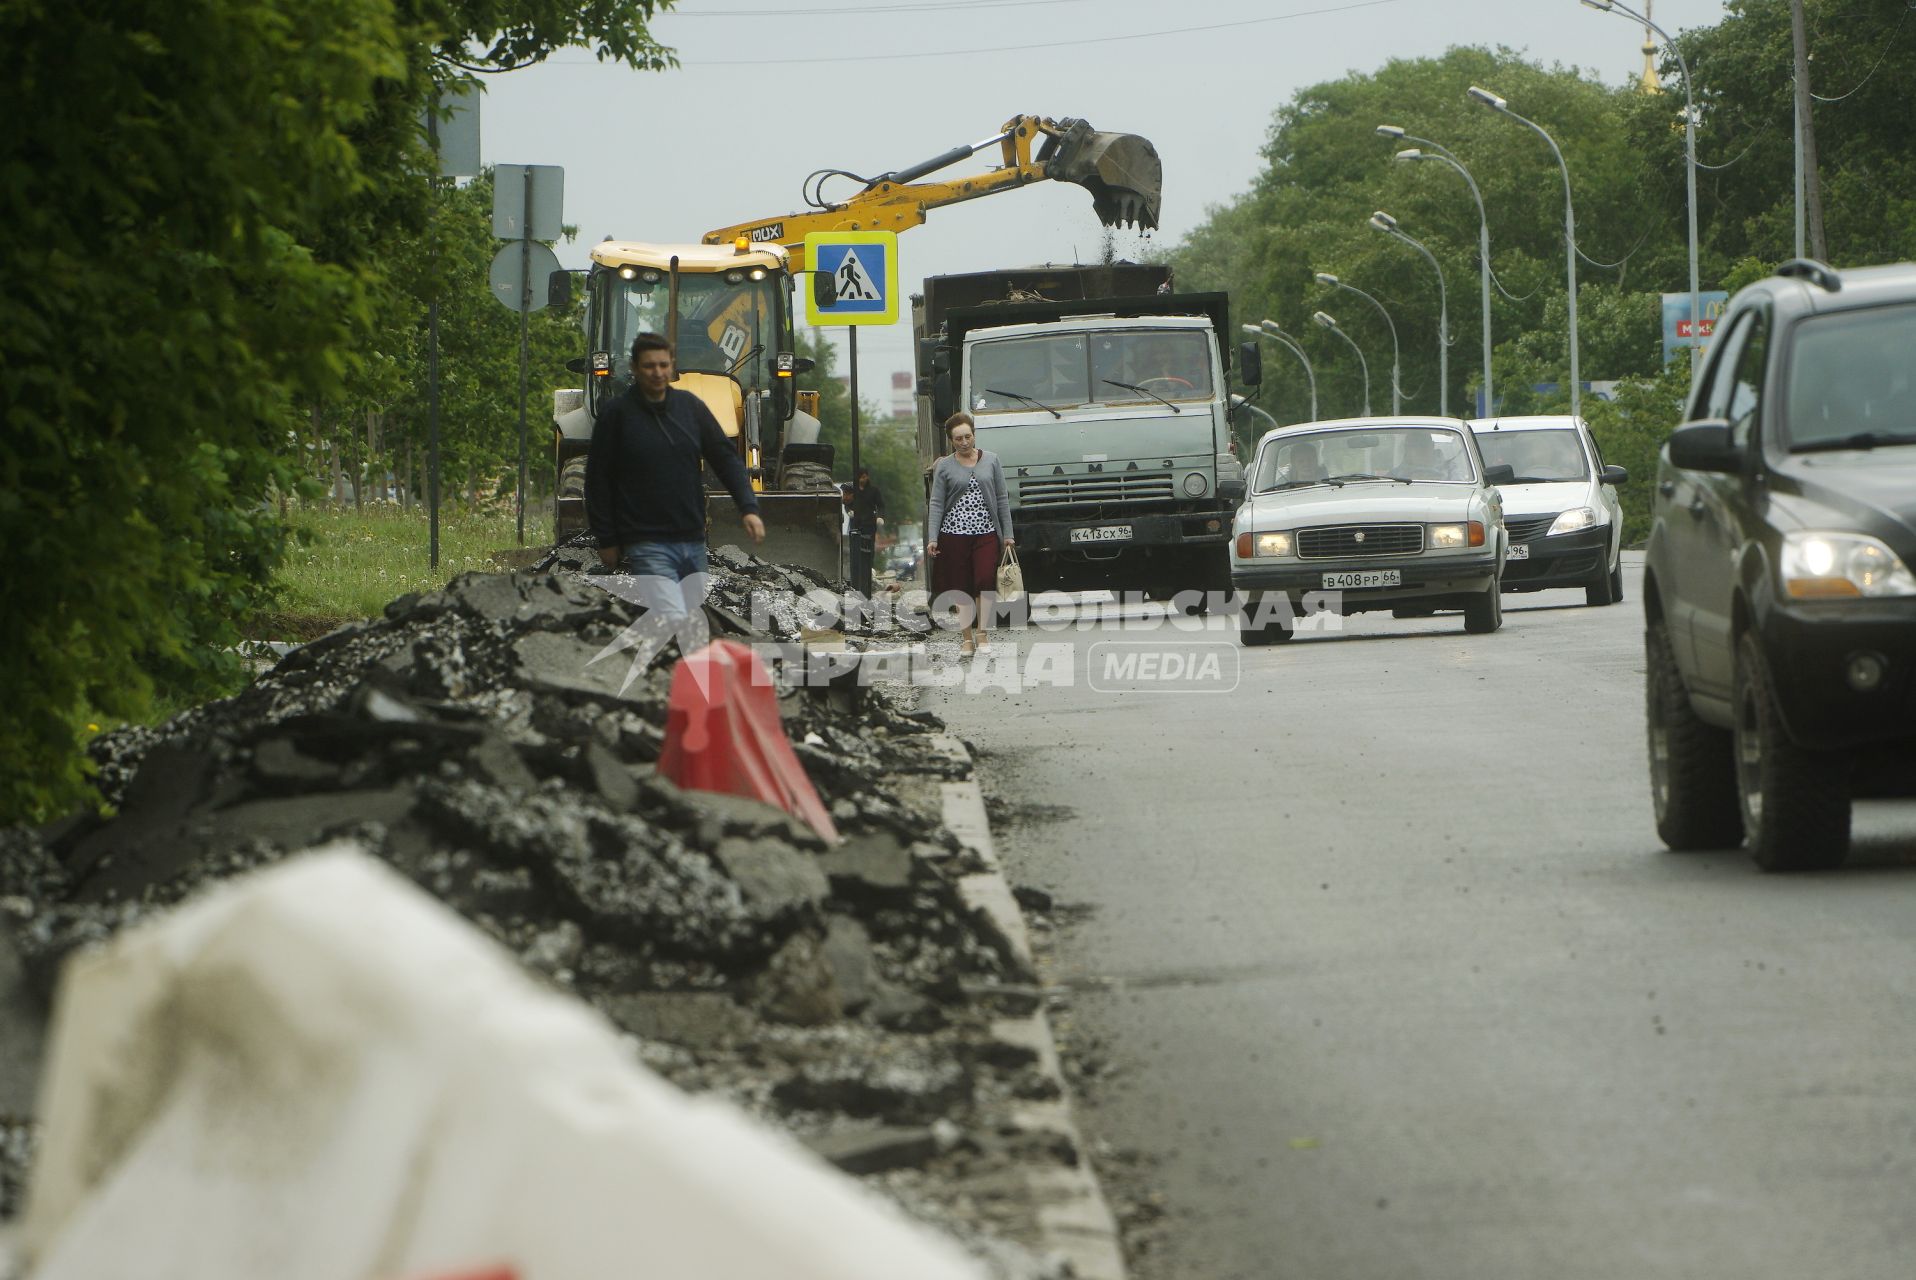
x,y
770,90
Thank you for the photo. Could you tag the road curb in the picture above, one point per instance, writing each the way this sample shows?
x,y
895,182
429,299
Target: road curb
x,y
1075,1220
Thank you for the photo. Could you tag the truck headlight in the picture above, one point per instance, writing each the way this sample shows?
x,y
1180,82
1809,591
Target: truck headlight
x,y
1574,519
1194,485
1840,566
1262,545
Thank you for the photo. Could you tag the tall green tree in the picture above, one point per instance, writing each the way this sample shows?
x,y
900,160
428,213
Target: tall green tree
x,y
192,252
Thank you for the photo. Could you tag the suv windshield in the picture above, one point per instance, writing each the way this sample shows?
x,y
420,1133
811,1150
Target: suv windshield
x,y
1555,454
1343,457
728,322
1850,377
1114,366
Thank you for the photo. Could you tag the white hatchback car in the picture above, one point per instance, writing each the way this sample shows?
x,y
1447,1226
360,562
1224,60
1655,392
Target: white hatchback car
x,y
1565,524
1368,513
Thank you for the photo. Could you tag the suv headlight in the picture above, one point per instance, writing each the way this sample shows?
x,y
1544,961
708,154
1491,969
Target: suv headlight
x,y
1263,545
1842,566
1574,519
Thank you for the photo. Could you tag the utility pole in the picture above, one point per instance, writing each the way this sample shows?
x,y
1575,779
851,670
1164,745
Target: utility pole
x,y
1806,136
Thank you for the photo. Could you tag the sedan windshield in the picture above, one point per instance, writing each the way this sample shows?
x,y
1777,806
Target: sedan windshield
x,y
1851,383
1346,457
1535,456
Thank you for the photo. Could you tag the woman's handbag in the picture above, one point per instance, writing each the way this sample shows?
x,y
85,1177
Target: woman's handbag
x,y
1011,577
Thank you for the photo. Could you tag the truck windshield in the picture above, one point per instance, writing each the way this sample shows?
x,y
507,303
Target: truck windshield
x,y
1113,366
728,322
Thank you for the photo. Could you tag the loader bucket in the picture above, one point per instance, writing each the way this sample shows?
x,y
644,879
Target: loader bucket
x,y
800,528
1120,170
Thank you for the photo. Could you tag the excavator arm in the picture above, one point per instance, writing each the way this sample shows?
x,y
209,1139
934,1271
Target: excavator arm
x,y
1120,170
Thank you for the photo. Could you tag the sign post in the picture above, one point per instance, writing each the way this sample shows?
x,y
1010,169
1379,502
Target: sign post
x,y
527,205
456,142
863,266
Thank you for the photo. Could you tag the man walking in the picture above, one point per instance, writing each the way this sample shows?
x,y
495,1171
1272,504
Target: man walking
x,y
868,512
644,493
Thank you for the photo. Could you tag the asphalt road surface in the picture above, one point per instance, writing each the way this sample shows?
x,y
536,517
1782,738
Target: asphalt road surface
x,y
1396,980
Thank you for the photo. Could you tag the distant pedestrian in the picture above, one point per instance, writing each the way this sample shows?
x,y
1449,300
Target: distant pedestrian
x,y
970,523
644,490
868,516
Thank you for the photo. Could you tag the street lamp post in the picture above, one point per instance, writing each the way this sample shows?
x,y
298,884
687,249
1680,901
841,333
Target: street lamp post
x,y
1396,371
1689,150
1325,319
1270,330
1497,104
1388,225
1483,235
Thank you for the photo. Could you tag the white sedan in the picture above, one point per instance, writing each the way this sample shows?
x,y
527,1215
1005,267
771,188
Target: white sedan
x,y
1368,513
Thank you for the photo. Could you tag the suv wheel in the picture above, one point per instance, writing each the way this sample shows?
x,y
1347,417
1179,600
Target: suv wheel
x,y
1486,613
1795,803
1692,773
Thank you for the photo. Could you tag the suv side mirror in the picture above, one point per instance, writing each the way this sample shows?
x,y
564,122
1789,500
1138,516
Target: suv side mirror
x,y
1502,473
1613,474
1250,364
824,290
1705,445
1230,490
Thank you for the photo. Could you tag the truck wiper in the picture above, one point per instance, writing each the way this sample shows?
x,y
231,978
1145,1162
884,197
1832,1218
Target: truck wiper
x,y
1132,386
1013,395
1861,440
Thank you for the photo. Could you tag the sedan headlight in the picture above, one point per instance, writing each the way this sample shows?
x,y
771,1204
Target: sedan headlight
x,y
1574,519
1444,537
1260,545
1836,566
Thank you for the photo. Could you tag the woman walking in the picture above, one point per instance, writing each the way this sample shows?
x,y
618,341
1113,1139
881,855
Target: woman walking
x,y
970,522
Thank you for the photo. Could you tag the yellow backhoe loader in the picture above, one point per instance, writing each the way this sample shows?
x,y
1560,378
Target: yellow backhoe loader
x,y
727,305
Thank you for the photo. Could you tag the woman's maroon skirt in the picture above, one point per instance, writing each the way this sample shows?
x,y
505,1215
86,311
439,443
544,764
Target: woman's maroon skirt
x,y
966,562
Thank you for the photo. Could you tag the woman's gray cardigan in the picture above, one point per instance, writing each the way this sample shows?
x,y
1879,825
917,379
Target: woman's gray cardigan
x,y
949,480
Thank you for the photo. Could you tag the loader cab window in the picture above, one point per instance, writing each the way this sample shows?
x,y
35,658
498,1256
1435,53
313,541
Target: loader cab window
x,y
729,323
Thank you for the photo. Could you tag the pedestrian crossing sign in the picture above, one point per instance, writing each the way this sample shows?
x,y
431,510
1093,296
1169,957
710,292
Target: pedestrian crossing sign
x,y
863,266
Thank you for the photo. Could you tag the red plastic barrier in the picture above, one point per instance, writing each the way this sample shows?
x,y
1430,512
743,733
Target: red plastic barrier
x,y
722,733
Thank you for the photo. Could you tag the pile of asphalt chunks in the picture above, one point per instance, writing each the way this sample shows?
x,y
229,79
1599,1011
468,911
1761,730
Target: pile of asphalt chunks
x,y
469,737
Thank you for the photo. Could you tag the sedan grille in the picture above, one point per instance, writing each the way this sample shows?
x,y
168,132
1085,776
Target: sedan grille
x,y
1346,540
1125,486
1524,528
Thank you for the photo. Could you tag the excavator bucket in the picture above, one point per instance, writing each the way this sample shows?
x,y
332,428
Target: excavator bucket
x,y
1120,170
800,528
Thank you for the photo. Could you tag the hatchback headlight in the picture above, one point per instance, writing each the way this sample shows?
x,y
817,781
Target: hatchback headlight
x,y
1574,519
1837,566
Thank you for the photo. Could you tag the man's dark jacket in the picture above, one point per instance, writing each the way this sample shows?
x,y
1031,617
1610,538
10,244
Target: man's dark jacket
x,y
867,505
642,479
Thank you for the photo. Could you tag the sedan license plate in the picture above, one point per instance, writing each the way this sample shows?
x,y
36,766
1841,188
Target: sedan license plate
x,y
1519,551
1103,533
1363,578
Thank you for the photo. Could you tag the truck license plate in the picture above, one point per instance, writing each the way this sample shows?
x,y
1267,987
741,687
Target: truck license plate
x,y
1519,551
1103,533
1363,578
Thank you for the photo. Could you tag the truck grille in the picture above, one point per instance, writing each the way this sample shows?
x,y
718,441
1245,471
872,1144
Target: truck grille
x,y
1524,528
1346,540
1127,486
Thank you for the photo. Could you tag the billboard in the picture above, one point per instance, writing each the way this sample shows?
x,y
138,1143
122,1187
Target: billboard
x,y
1676,320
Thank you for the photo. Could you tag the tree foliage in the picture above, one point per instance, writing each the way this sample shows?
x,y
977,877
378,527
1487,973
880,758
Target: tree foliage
x,y
203,201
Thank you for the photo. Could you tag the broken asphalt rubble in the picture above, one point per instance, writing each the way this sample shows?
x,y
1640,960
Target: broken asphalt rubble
x,y
468,738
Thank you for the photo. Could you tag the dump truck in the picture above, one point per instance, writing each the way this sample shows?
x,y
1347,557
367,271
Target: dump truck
x,y
1105,396
727,303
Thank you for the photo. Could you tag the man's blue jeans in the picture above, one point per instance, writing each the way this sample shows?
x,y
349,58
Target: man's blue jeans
x,y
661,568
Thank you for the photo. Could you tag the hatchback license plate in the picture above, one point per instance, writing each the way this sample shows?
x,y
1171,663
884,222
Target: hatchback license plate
x,y
1364,578
1519,551
1103,533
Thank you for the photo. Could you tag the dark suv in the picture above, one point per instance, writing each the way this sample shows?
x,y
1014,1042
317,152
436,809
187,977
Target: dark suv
x,y
1780,607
